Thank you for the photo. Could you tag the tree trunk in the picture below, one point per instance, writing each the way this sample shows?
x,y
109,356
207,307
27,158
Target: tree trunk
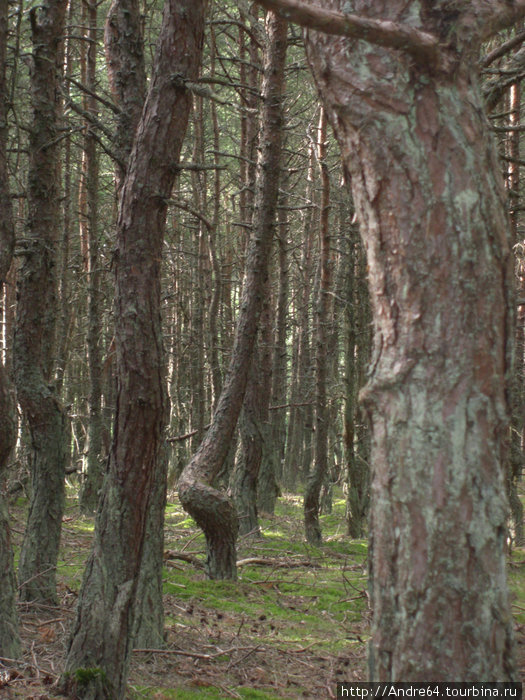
x,y
9,635
409,118
37,313
319,470
93,475
355,432
212,509
273,456
426,185
103,632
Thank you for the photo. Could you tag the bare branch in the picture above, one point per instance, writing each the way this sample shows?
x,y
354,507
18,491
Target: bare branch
x,y
394,35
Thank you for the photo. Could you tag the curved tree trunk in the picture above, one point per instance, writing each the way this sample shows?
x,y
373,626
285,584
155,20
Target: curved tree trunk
x,y
37,315
104,629
213,510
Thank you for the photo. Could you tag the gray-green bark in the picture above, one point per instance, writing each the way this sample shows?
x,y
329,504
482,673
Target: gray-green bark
x,y
357,351
37,312
430,204
9,634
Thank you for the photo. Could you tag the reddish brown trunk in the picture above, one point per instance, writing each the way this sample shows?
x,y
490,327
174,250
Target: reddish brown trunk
x,y
103,633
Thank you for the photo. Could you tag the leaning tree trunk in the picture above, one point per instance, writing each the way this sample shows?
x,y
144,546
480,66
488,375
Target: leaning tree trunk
x,y
428,196
9,636
410,121
103,633
37,315
212,509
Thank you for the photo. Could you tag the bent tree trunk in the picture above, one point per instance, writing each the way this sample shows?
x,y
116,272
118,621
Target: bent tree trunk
x,y
411,126
213,511
429,199
102,639
37,313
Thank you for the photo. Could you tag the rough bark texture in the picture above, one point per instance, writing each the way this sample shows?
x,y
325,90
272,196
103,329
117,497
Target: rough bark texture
x,y
103,632
213,510
124,48
430,203
9,636
37,313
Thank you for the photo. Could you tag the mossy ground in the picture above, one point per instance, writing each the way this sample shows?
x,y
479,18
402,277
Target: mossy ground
x,y
293,626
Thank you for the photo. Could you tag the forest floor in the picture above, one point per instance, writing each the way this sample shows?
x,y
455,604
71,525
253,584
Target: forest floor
x,y
293,626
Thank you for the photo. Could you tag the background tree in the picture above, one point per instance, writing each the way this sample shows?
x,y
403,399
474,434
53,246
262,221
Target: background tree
x,y
211,508
37,312
9,635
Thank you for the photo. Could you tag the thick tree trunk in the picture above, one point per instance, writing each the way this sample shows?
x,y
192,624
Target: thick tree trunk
x,y
9,636
430,203
212,509
37,313
103,633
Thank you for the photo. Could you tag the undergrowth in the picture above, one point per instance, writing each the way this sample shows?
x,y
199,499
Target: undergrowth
x,y
294,624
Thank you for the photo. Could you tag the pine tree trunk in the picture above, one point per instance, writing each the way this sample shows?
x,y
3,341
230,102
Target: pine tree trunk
x,y
213,510
319,471
9,634
37,314
92,483
430,202
104,630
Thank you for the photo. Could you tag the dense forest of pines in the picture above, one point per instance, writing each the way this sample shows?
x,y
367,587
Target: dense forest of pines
x,y
262,264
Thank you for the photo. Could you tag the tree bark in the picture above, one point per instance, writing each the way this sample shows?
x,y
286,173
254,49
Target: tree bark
x,y
319,470
9,635
213,510
431,206
92,484
103,632
37,314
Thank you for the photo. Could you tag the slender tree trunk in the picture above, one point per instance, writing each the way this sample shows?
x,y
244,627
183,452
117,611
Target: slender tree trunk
x,y
212,509
37,313
517,389
9,635
253,426
320,468
356,356
273,457
104,629
430,203
92,484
